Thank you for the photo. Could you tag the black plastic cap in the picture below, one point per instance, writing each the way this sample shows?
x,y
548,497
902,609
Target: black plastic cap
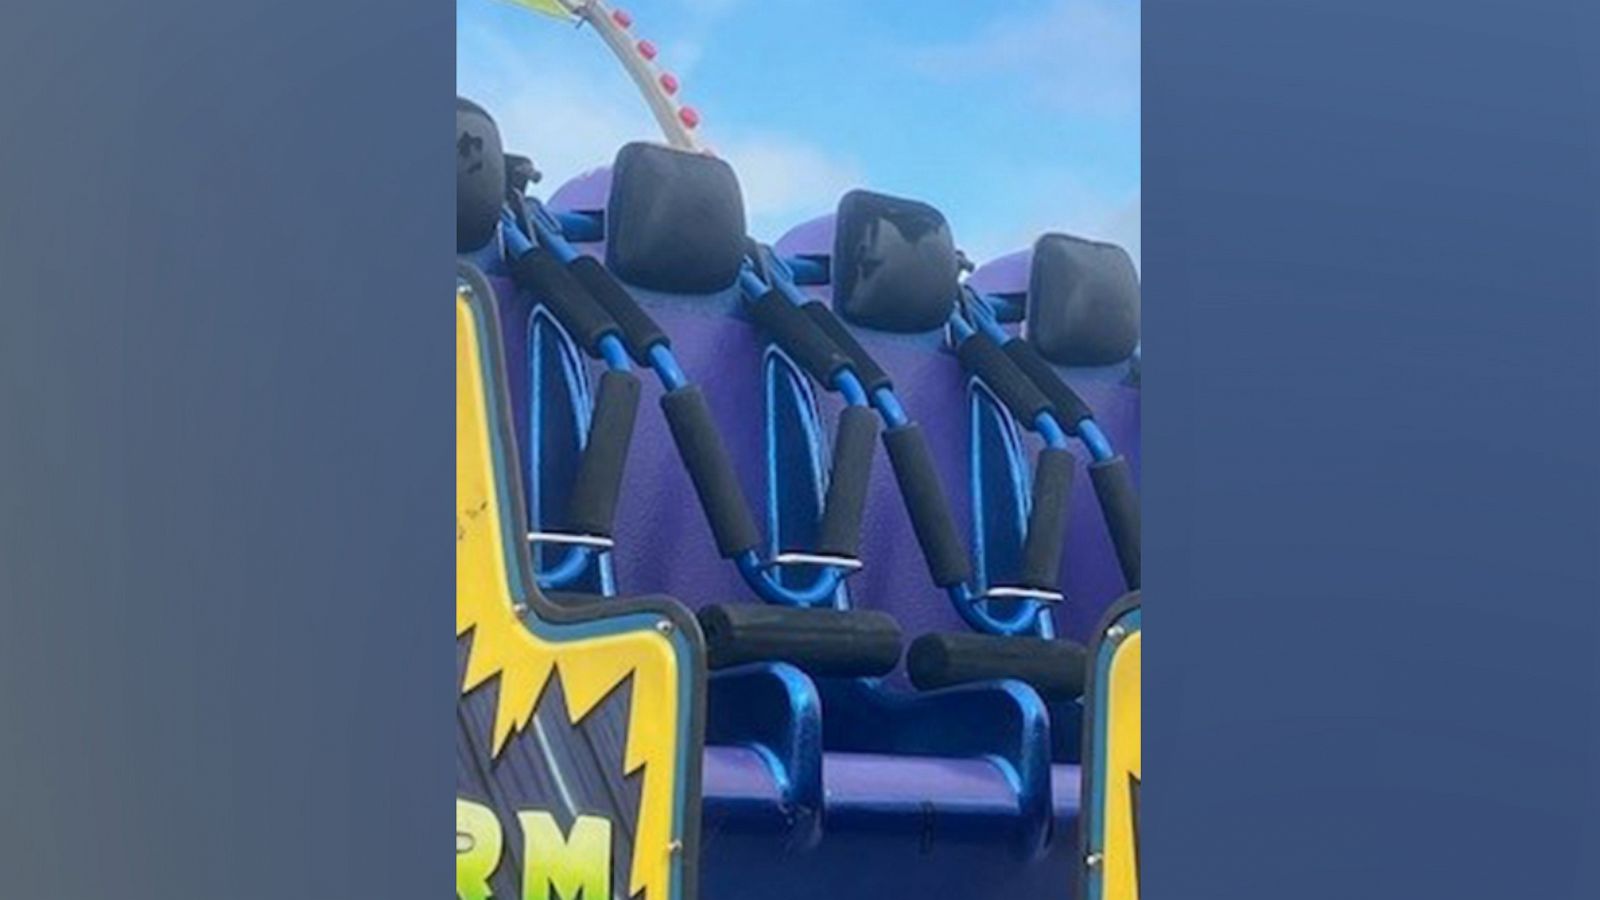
x,y
1083,301
675,220
894,264
480,176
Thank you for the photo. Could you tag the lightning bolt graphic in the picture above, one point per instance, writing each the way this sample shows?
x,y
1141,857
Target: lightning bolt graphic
x,y
504,647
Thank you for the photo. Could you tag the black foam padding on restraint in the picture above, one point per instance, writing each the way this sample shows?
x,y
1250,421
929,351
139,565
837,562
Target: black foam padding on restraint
x,y
799,336
1042,549
480,176
1083,301
894,263
639,331
871,375
711,469
832,643
592,505
1119,503
927,505
1057,669
539,273
675,220
1070,408
839,533
981,356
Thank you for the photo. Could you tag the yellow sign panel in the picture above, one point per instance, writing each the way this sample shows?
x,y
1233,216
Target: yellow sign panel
x,y
642,660
1113,763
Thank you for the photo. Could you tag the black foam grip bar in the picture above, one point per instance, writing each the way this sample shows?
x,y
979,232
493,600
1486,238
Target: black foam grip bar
x,y
1047,519
822,642
799,336
639,331
592,505
542,275
927,505
982,357
1056,668
853,447
711,469
1119,503
1070,408
871,374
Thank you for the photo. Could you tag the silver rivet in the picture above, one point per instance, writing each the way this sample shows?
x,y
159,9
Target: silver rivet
x,y
1116,632
664,626
521,609
675,847
1094,860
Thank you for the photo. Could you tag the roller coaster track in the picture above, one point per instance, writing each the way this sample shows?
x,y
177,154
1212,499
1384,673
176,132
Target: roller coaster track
x,y
659,87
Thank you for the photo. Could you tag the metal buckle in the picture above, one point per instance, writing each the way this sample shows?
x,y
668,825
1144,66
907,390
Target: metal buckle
x,y
1022,593
849,564
571,540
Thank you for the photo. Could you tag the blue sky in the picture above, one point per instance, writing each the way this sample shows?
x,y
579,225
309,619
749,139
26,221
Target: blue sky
x,y
1013,118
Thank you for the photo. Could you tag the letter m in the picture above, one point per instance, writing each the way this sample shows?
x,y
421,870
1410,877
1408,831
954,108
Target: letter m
x,y
566,867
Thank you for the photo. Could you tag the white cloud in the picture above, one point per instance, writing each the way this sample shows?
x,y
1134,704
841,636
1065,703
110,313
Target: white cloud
x,y
568,118
1035,202
1124,225
1080,55
574,116
786,180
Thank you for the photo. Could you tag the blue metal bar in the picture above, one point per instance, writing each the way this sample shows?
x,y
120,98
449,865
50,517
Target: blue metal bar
x,y
1046,426
970,608
571,567
765,583
751,284
889,409
1095,439
760,578
584,228
667,369
546,229
807,269
1089,432
849,387
987,324
517,243
960,327
616,355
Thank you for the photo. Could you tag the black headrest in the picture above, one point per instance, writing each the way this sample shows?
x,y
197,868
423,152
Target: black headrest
x,y
1083,302
894,263
480,176
675,220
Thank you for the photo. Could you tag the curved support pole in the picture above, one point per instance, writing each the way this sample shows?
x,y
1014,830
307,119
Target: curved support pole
x,y
1004,722
677,122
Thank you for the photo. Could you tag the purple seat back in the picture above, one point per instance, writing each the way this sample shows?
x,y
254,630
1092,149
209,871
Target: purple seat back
x,y
933,389
663,542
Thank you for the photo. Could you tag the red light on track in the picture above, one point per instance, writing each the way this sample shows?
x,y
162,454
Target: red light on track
x,y
621,17
669,83
647,50
689,117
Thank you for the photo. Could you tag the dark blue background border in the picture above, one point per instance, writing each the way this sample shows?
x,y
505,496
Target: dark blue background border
x,y
1372,492
1372,262
225,457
